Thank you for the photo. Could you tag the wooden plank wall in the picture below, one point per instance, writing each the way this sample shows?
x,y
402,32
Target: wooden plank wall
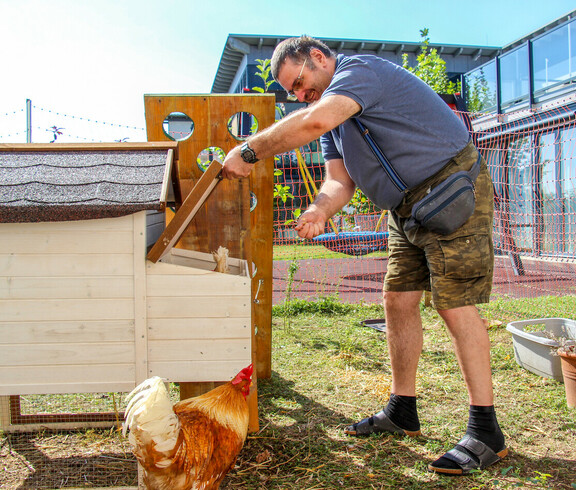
x,y
67,306
225,220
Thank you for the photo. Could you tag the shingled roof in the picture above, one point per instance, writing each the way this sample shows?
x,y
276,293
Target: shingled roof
x,y
76,182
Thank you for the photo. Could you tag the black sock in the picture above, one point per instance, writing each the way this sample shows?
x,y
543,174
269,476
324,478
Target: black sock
x,y
482,425
402,411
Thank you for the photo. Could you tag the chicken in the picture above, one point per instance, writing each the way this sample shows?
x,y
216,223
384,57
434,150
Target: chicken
x,y
193,444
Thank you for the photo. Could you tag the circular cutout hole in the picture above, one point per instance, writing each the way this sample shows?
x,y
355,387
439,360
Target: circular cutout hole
x,y
253,201
208,155
242,125
178,126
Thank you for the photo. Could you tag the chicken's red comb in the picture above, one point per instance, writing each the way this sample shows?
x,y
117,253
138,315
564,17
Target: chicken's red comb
x,y
246,373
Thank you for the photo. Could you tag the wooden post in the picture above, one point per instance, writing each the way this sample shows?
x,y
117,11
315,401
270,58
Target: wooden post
x,y
5,416
140,313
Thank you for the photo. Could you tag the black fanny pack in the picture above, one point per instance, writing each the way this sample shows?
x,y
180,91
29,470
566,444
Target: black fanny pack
x,y
447,206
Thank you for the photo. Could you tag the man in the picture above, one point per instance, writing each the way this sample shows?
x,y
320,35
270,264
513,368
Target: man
x,y
425,142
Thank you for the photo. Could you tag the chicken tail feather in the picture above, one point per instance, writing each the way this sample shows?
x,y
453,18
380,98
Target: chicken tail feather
x,y
151,418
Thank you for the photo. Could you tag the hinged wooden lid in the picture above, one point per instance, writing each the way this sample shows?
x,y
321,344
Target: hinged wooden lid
x,y
187,211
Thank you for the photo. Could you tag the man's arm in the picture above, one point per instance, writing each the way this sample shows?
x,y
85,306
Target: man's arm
x,y
295,130
336,191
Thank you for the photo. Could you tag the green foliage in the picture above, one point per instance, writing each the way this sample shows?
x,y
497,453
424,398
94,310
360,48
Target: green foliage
x,y
327,305
296,214
361,204
264,73
430,67
479,97
282,193
292,270
540,478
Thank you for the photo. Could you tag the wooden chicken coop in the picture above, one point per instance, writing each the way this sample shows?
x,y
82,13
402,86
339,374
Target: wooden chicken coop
x,y
83,311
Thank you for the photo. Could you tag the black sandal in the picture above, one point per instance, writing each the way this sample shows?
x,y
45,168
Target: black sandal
x,y
469,454
377,424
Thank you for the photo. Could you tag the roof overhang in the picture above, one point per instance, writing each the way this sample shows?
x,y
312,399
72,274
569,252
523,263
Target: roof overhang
x,y
239,45
68,182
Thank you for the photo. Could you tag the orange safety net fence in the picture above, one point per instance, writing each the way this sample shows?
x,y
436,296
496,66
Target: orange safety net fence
x,y
532,159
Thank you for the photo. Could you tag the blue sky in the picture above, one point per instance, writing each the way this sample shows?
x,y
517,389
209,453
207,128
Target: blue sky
x,y
95,59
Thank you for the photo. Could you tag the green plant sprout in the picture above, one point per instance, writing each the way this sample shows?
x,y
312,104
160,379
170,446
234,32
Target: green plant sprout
x,y
541,479
263,72
296,214
292,270
282,192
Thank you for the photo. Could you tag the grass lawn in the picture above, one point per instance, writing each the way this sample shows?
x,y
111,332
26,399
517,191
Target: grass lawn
x,y
329,371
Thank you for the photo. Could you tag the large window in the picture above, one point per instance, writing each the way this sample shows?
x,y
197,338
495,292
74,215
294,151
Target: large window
x,y
521,195
551,208
514,76
553,73
481,87
558,191
554,57
568,188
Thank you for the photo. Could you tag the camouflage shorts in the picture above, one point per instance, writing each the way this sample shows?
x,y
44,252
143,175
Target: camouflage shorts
x,y
457,268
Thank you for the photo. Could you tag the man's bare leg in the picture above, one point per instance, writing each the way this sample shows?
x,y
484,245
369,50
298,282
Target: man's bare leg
x,y
404,334
472,347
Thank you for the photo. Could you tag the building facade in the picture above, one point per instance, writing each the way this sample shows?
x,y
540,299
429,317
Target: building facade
x,y
523,105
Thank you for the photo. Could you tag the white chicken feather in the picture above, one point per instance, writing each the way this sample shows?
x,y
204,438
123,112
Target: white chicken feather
x,y
151,416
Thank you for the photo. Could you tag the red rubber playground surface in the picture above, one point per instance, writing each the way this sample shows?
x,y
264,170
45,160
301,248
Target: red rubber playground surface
x,y
360,279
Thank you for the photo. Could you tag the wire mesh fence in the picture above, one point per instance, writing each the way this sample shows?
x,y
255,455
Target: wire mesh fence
x,y
532,160
69,440
43,450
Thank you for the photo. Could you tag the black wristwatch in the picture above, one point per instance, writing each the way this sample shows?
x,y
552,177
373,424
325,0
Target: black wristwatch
x,y
248,154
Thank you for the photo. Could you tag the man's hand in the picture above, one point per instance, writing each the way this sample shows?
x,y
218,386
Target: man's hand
x,y
311,223
234,166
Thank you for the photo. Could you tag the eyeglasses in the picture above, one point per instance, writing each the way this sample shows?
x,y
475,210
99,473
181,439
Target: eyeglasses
x,y
298,82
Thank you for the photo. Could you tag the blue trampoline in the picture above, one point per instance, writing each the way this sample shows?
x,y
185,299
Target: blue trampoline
x,y
354,242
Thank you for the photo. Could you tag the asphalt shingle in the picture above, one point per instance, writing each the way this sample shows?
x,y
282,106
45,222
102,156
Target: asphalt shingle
x,y
72,185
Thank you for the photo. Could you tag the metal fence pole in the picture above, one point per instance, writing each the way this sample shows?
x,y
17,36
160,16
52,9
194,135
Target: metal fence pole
x,y
28,121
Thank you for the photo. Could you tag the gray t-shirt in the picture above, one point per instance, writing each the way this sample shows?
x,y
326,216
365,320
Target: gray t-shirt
x,y
412,125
